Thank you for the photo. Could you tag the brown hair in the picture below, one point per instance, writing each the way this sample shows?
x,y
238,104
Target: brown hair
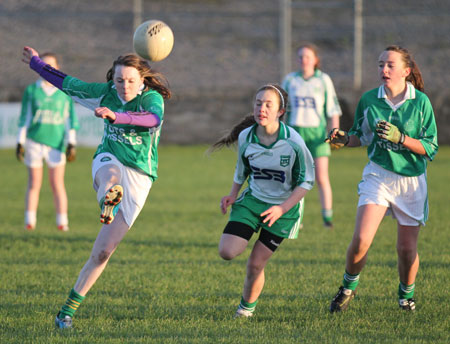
x,y
314,49
414,77
249,120
152,79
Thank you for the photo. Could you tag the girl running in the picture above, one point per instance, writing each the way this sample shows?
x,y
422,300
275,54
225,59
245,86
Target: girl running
x,y
280,171
396,122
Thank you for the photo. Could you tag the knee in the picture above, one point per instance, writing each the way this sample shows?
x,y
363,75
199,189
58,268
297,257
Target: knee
x,y
225,253
406,250
359,247
254,268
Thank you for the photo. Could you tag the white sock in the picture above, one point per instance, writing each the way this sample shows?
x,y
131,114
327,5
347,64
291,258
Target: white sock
x,y
30,218
62,219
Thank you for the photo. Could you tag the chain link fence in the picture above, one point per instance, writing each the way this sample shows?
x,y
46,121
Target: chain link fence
x,y
225,49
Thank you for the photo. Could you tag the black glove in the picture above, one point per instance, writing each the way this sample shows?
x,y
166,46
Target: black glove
x,y
337,138
71,152
20,152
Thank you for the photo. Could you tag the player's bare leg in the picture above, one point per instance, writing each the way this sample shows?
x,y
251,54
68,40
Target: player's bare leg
x,y
408,264
32,196
325,191
106,243
254,280
231,246
56,177
368,219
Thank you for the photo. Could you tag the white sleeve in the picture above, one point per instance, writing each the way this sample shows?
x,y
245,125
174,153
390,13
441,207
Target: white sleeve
x,y
241,172
22,135
333,107
72,137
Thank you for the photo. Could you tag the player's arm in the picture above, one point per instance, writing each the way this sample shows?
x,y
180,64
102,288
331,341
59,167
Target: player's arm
x,y
333,122
276,211
391,133
228,200
52,75
142,119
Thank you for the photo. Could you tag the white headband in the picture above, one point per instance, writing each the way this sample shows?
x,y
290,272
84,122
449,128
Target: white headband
x,y
276,89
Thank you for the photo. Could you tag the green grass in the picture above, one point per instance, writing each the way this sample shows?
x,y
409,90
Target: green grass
x,y
167,284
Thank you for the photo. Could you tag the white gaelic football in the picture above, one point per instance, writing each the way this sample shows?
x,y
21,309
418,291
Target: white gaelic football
x,y
153,40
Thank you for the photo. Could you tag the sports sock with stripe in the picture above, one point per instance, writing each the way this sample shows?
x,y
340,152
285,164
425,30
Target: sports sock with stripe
x,y
327,215
350,281
406,291
248,306
72,303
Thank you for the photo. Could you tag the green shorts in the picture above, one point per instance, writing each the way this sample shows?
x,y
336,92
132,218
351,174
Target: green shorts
x,y
314,139
247,209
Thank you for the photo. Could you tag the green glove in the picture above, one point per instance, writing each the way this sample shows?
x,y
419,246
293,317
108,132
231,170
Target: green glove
x,y
337,138
20,152
390,132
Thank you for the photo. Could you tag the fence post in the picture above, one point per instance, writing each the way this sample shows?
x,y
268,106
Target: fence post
x,y
357,47
285,28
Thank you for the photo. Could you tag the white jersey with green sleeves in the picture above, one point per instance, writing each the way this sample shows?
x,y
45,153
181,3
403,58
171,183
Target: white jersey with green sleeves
x,y
414,118
47,114
133,146
274,171
312,101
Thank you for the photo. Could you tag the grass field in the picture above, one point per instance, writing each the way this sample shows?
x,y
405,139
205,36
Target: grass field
x,y
167,284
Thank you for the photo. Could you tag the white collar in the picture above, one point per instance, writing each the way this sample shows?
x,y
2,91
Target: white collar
x,y
409,94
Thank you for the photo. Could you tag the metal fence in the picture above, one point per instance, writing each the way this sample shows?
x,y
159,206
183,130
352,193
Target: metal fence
x,y
225,49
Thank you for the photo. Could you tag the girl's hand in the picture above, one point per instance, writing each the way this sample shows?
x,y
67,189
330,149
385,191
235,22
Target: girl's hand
x,y
28,53
337,138
272,214
225,202
105,113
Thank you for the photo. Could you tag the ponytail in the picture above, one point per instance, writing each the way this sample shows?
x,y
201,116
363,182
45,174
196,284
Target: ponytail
x,y
249,120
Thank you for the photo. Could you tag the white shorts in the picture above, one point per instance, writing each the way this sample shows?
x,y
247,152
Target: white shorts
x,y
136,186
405,197
36,152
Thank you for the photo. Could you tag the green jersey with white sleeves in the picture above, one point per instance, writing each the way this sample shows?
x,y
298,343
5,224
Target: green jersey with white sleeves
x,y
413,116
47,113
133,146
274,171
312,101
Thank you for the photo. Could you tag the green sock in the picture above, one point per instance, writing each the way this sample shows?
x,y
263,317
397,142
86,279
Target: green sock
x,y
350,281
73,302
406,291
247,305
327,215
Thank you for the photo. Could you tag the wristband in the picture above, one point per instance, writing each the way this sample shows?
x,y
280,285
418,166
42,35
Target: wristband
x,y
402,138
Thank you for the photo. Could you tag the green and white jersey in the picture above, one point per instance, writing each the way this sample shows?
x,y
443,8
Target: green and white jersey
x,y
311,101
47,113
414,117
274,171
133,146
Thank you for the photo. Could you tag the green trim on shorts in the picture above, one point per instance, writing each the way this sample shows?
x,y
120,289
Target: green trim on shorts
x,y
314,140
247,209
